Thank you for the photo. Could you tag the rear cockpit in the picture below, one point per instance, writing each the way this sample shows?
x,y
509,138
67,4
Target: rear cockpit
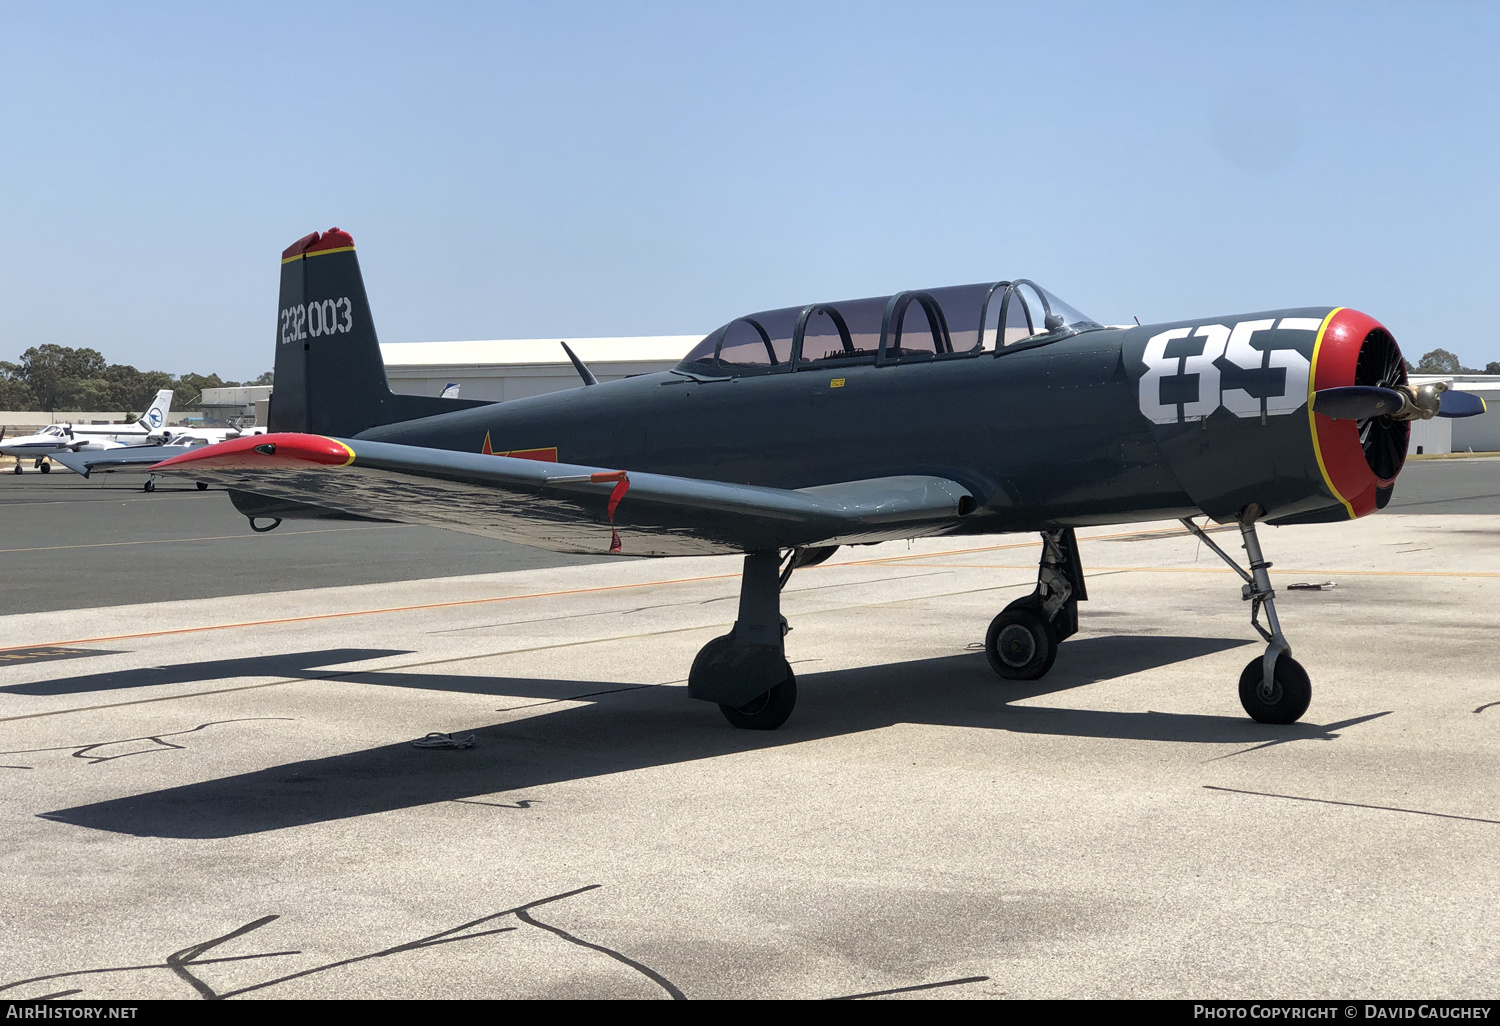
x,y
958,322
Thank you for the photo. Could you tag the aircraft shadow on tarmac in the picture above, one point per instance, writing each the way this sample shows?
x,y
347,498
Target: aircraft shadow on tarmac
x,y
635,727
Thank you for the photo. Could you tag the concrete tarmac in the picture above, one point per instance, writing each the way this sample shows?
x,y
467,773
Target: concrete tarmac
x,y
71,543
238,786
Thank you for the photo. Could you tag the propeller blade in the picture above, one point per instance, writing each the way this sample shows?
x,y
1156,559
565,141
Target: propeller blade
x,y
1460,404
1357,402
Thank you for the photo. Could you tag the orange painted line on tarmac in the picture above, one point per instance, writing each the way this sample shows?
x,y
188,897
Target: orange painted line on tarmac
x,y
213,537
1220,570
370,612
312,617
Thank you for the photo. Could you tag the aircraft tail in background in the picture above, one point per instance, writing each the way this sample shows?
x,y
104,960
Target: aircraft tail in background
x,y
155,417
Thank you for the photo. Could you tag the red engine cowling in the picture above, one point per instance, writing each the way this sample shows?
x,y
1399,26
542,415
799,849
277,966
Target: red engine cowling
x,y
1359,459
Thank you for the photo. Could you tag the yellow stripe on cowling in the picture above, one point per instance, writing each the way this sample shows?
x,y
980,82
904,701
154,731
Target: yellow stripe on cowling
x,y
321,252
1312,423
350,451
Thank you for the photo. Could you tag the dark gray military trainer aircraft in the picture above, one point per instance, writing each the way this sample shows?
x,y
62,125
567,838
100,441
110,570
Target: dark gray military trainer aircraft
x,y
976,409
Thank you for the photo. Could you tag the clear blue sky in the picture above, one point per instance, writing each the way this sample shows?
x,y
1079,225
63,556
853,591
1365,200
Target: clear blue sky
x,y
518,170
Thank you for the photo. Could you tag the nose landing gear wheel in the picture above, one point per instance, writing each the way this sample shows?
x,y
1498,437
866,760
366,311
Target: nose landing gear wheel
x,y
1020,644
1291,691
17,470
765,711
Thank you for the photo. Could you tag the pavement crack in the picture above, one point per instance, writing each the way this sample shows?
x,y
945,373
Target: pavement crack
x,y
456,933
86,751
176,962
645,970
908,990
1353,805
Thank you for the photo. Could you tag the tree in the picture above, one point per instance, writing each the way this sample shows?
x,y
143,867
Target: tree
x,y
189,389
1439,361
15,394
86,394
1493,367
50,371
132,390
269,378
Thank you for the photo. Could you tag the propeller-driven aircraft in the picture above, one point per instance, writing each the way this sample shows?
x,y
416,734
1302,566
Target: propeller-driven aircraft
x,y
975,409
56,439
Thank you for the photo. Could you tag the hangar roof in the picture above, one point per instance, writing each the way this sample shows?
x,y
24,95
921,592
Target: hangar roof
x,y
533,351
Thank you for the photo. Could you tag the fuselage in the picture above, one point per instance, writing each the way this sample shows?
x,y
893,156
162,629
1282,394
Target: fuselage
x,y
1108,426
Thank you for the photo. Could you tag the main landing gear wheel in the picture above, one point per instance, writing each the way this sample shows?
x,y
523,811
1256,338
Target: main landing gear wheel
x,y
767,710
1290,695
149,486
46,468
1020,644
17,470
202,486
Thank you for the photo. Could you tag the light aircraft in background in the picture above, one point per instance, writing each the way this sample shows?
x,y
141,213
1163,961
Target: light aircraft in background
x,y
55,439
970,410
207,436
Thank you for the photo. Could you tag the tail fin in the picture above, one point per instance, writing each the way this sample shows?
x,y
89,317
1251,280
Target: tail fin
x,y
330,378
155,417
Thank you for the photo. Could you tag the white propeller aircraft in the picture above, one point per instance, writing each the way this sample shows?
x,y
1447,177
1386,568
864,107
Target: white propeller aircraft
x,y
59,438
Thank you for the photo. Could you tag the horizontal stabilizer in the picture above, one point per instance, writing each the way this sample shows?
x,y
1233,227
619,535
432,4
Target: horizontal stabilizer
x,y
569,508
136,459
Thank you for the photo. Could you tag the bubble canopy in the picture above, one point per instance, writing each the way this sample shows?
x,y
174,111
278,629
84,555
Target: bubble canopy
x,y
920,325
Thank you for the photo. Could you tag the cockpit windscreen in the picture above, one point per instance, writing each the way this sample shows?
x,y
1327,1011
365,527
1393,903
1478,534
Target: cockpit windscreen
x,y
919,325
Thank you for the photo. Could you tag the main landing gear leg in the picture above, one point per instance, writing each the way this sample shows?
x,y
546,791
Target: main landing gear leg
x,y
1274,688
746,671
1022,641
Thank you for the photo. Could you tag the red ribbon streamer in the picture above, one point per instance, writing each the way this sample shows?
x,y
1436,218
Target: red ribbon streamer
x,y
621,487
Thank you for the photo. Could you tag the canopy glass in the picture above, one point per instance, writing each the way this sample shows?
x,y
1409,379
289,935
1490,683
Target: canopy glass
x,y
919,325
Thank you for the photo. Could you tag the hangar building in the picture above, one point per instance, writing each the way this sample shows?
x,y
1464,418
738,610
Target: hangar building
x,y
501,369
1470,434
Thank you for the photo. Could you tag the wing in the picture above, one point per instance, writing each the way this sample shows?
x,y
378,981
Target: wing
x,y
569,508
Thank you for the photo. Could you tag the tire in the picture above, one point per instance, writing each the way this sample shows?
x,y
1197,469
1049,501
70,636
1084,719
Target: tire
x,y
202,486
1020,645
149,486
17,470
767,711
1288,701
46,468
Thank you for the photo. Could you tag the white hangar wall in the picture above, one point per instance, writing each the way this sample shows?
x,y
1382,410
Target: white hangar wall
x,y
501,369
1468,434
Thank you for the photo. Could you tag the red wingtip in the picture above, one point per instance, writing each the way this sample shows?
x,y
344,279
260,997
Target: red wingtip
x,y
258,452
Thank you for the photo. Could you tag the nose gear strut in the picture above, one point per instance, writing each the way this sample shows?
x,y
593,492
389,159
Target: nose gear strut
x,y
1274,688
